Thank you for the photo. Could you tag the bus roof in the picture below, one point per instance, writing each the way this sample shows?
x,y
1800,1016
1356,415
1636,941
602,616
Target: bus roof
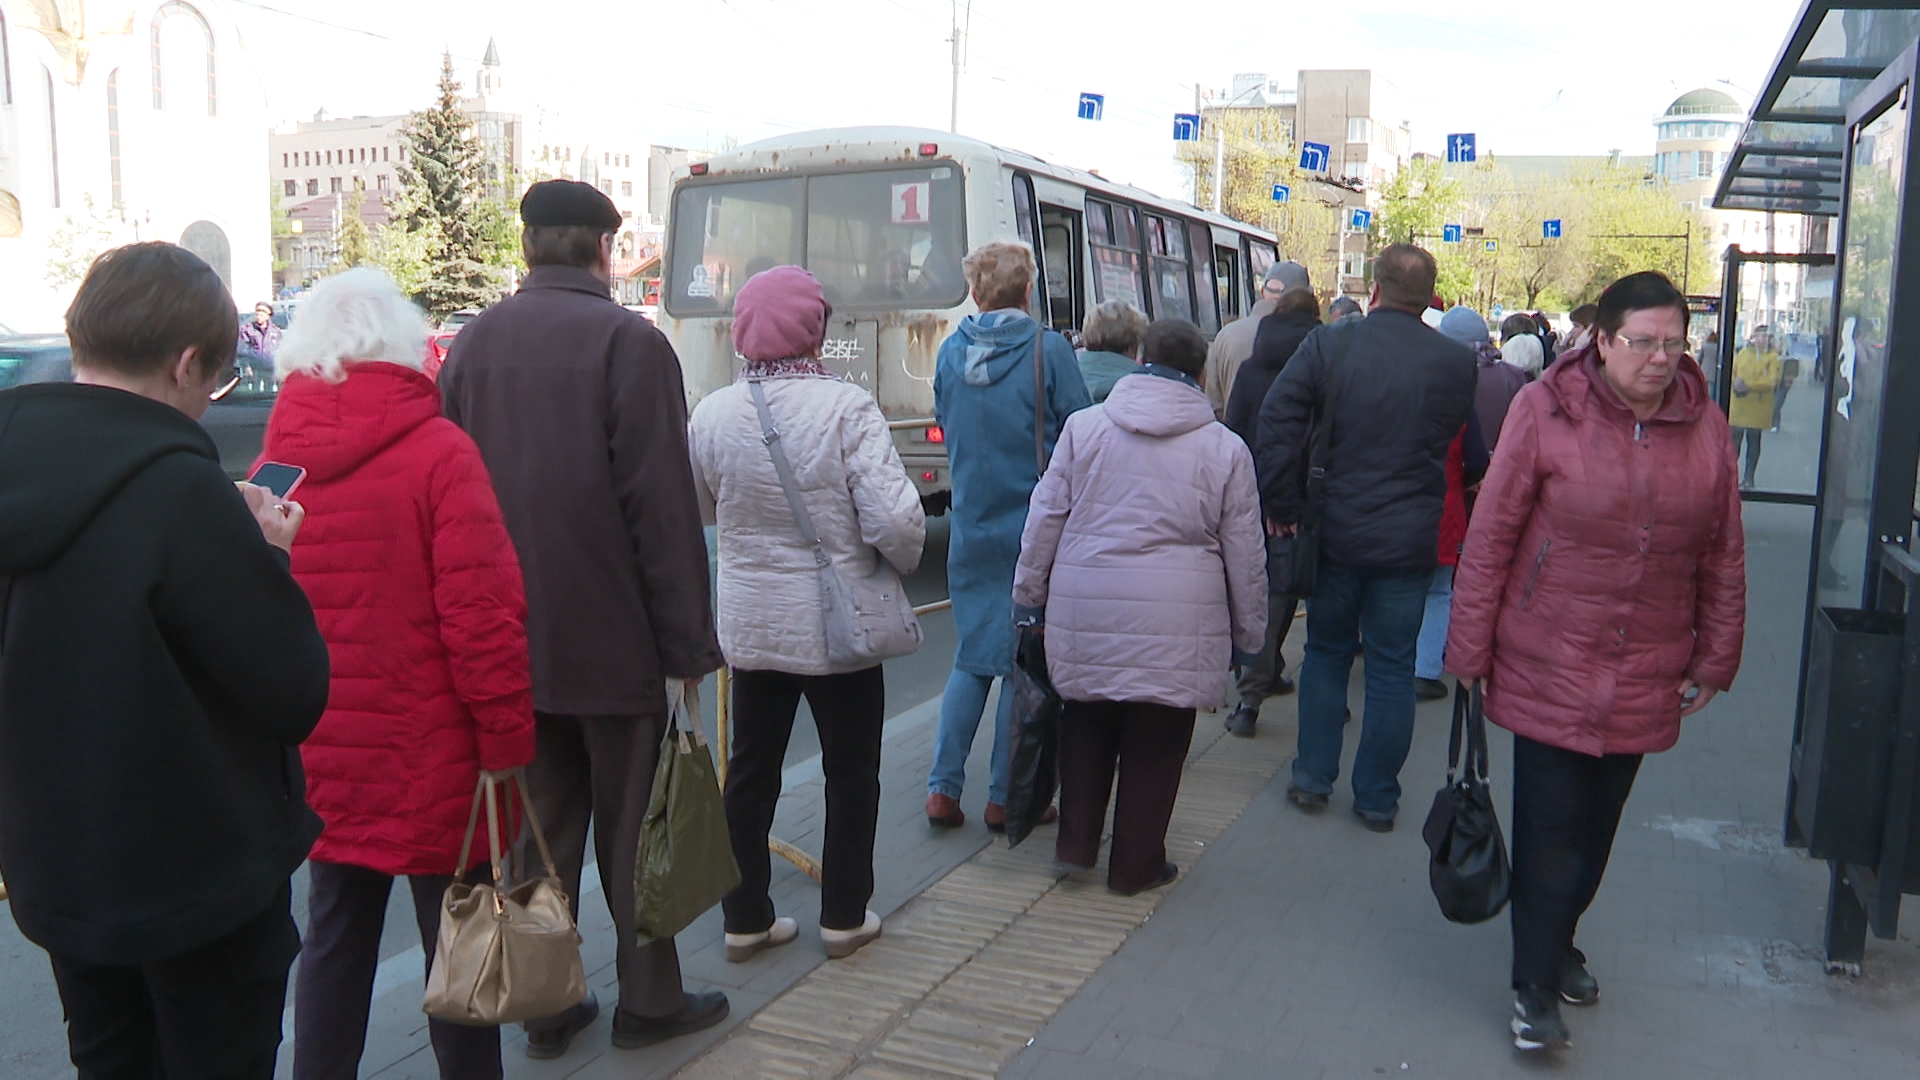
x,y
905,141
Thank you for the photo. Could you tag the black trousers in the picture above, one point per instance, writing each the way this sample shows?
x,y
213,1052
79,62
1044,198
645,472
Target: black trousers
x,y
849,711
212,1013
1147,744
346,908
598,771
1566,809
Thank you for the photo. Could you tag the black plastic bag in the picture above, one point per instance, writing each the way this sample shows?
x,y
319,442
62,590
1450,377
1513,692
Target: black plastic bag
x,y
1468,868
1033,773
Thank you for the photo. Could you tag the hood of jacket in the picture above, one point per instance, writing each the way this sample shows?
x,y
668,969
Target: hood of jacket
x,y
330,429
1149,404
996,343
65,450
1579,387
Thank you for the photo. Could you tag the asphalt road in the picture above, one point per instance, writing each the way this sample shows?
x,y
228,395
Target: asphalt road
x,y
33,1037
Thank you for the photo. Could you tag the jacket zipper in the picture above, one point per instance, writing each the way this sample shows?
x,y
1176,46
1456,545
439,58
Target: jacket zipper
x,y
1539,564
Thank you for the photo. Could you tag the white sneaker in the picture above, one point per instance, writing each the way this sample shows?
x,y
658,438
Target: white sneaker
x,y
744,947
844,943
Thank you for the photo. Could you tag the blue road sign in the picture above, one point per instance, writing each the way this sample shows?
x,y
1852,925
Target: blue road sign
x,y
1186,127
1092,105
1315,157
1493,246
1451,234
1460,149
1282,193
1550,229
1360,220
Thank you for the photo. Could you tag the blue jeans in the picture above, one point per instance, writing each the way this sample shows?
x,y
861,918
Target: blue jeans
x,y
960,710
1430,661
1383,607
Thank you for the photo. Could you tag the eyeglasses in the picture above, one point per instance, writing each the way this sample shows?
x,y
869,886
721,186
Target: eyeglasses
x,y
1646,347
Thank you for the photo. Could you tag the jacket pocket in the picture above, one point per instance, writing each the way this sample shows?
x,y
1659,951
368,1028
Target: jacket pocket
x,y
1539,564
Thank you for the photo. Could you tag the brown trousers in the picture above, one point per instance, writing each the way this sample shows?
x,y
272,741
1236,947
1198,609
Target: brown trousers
x,y
598,770
1148,744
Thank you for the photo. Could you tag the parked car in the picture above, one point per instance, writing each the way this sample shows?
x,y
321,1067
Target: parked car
x,y
441,340
237,422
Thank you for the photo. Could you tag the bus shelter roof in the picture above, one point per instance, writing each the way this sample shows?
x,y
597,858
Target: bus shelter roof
x,y
1792,155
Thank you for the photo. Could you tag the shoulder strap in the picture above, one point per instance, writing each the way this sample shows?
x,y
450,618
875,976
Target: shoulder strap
x,y
1335,376
770,436
1039,398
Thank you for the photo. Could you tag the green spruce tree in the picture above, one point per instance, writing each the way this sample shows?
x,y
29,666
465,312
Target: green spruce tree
x,y
443,189
353,243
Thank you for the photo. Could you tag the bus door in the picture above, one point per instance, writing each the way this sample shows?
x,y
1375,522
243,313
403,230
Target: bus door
x,y
1062,239
1229,276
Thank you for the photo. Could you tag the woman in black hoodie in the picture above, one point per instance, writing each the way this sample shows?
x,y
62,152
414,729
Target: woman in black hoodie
x,y
1295,315
158,670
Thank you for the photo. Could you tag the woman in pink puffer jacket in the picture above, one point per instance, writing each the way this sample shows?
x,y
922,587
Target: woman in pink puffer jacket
x,y
1600,600
1144,549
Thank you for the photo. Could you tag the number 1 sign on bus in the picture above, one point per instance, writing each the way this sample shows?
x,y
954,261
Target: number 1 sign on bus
x,y
912,203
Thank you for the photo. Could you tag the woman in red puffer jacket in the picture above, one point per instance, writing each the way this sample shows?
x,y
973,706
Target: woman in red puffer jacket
x,y
1600,599
417,591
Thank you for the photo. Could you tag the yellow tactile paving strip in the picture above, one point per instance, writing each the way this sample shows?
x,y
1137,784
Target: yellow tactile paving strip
x,y
974,967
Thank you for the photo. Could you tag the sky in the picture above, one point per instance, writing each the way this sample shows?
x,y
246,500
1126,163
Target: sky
x,y
1526,77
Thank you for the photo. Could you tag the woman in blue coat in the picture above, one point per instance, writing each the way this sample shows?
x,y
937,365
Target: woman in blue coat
x,y
988,399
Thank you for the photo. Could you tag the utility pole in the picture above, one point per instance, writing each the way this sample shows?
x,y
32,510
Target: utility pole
x,y
954,120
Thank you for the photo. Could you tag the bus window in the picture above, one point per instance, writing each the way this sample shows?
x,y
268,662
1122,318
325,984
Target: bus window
x,y
1172,281
1066,292
1114,235
1261,256
1206,296
725,233
888,239
1024,213
1226,278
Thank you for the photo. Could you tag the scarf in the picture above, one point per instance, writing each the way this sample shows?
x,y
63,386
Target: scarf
x,y
794,367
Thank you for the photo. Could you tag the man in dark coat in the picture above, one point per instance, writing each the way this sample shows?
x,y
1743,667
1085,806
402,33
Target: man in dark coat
x,y
1296,314
1402,392
160,670
578,408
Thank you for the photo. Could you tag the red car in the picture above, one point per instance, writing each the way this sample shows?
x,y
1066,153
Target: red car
x,y
441,340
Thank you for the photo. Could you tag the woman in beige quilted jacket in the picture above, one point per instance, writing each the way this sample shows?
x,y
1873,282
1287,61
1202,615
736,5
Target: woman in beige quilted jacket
x,y
771,619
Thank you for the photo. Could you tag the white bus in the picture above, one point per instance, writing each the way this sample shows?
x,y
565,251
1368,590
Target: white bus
x,y
883,216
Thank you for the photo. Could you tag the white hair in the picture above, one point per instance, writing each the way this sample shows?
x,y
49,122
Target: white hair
x,y
1523,351
357,315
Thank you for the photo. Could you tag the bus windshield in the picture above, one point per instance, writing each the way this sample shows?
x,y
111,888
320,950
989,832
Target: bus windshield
x,y
889,238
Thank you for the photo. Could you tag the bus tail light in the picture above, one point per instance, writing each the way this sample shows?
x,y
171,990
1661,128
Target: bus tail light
x,y
698,168
935,435
929,476
928,149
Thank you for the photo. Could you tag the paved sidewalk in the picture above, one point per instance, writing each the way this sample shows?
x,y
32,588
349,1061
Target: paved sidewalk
x,y
1308,947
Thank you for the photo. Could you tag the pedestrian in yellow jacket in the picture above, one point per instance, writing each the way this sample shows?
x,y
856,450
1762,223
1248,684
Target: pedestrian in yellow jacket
x,y
1756,375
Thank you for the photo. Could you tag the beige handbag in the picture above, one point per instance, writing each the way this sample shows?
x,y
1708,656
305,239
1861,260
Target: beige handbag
x,y
504,955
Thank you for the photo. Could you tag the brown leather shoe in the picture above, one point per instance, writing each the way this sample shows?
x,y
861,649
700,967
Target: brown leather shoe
x,y
943,811
996,817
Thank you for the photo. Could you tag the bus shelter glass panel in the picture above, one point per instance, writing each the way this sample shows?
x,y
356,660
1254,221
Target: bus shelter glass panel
x,y
1771,377
1879,156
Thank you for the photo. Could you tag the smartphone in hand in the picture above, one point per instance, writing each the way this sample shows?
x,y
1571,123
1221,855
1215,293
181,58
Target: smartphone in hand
x,y
280,479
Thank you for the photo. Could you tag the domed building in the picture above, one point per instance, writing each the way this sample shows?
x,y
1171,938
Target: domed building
x,y
1693,142
124,120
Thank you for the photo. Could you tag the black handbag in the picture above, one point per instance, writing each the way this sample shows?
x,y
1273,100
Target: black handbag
x,y
1303,557
1468,867
1033,768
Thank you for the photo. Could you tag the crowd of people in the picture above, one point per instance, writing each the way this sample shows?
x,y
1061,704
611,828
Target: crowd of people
x,y
504,573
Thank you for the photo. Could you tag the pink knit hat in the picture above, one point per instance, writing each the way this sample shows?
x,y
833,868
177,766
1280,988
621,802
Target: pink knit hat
x,y
780,314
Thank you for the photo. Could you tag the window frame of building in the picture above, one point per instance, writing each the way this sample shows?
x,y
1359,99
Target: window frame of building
x,y
1361,124
313,187
290,189
335,186
160,16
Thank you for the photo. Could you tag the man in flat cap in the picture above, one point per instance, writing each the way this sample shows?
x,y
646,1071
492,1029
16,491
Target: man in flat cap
x,y
578,408
1234,343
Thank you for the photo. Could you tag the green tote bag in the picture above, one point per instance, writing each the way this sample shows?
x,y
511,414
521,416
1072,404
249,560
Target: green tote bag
x,y
685,862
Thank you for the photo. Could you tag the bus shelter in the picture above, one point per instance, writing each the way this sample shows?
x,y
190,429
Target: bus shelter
x,y
1837,439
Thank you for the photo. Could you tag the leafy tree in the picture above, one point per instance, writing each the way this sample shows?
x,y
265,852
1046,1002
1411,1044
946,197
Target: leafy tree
x,y
79,239
352,242
1257,156
442,206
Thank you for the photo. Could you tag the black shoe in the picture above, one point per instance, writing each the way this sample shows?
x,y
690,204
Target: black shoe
x,y
1536,1020
1313,802
1374,824
698,1012
1577,984
1430,689
549,1043
1242,719
1282,686
1167,874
